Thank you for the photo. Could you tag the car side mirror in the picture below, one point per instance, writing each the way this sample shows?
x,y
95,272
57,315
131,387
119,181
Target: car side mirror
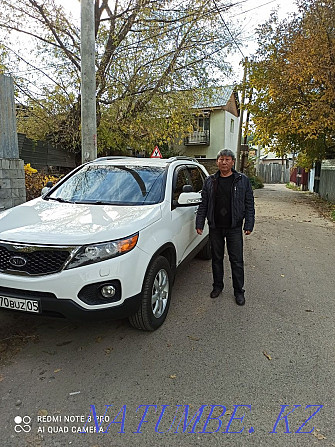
x,y
189,199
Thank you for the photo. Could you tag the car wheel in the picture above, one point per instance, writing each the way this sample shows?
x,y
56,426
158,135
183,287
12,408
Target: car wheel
x,y
156,295
206,251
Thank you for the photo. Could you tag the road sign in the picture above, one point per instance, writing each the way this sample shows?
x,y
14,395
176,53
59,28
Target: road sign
x,y
156,153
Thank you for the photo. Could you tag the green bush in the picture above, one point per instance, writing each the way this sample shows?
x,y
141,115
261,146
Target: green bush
x,y
256,182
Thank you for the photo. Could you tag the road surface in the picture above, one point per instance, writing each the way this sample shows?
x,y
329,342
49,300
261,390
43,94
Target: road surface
x,y
214,374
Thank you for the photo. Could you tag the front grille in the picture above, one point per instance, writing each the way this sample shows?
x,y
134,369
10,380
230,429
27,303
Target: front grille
x,y
32,260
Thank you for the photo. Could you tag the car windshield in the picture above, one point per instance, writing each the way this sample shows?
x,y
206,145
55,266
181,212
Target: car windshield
x,y
114,185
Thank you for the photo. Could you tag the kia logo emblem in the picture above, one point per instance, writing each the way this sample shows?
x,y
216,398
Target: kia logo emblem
x,y
17,261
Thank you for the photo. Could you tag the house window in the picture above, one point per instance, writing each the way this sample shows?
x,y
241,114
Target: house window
x,y
232,125
200,134
201,123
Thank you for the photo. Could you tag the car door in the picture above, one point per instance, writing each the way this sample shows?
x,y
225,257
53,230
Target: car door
x,y
183,218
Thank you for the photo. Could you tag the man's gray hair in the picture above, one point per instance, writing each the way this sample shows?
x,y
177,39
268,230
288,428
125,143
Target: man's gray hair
x,y
225,153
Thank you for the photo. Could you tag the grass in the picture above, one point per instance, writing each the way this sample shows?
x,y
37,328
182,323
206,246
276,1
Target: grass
x,y
292,186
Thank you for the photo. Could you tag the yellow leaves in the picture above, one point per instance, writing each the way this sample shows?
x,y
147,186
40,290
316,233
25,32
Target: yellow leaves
x,y
28,169
35,181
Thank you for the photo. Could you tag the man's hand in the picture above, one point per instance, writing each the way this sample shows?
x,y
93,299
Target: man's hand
x,y
247,232
199,231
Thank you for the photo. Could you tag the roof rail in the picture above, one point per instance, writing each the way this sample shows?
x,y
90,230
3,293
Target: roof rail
x,y
182,157
111,157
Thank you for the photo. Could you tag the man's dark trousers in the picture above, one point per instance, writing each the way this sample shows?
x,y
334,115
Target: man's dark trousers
x,y
234,239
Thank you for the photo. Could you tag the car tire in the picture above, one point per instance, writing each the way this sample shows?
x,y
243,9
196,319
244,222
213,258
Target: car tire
x,y
156,296
206,251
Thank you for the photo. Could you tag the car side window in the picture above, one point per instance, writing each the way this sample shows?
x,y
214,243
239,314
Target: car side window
x,y
181,180
197,178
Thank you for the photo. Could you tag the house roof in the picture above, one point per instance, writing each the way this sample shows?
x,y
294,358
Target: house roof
x,y
216,97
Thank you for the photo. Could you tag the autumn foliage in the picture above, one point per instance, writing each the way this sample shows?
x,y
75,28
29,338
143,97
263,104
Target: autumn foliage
x,y
35,181
293,79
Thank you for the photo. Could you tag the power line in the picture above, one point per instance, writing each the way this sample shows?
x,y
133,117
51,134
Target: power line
x,y
223,21
256,7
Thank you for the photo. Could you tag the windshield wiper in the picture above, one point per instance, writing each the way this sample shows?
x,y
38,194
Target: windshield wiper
x,y
59,199
93,202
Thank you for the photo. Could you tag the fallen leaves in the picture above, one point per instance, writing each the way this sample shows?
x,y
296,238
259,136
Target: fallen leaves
x,y
173,376
268,356
193,338
42,413
318,435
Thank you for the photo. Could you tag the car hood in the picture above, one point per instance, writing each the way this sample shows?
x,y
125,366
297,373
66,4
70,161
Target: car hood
x,y
48,222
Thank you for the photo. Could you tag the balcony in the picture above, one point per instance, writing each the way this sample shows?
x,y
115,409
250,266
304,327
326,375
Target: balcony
x,y
197,138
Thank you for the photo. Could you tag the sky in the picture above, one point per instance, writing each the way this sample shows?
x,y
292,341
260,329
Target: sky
x,y
248,13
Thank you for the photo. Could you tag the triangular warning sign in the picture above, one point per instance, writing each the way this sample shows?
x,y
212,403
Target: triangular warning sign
x,y
156,153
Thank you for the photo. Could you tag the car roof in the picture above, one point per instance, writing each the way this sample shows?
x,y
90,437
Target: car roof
x,y
141,161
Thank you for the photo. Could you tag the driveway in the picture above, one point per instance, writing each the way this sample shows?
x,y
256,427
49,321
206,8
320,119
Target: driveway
x,y
214,374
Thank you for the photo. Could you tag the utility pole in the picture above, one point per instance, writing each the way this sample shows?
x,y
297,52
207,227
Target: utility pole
x,y
239,138
88,82
245,152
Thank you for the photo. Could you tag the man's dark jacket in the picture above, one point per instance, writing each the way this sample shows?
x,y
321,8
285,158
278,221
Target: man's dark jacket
x,y
242,202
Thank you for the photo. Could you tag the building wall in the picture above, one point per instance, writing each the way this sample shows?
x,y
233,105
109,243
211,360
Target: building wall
x,y
231,137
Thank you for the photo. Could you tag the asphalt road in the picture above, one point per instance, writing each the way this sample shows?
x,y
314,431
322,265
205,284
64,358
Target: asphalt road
x,y
214,374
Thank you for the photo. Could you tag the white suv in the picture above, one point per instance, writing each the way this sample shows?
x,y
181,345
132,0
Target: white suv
x,y
106,240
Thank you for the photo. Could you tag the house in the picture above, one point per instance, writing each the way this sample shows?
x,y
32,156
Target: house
x,y
216,124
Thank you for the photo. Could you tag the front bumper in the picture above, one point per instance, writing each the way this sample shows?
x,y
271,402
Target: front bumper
x,y
61,294
51,306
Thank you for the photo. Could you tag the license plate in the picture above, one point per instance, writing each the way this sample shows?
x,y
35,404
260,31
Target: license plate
x,y
19,304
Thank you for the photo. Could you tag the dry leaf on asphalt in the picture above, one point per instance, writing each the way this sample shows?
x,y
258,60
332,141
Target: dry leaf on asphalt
x,y
318,435
193,338
267,355
42,413
173,376
57,370
1,377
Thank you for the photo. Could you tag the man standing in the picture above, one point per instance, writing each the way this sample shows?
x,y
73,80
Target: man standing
x,y
227,201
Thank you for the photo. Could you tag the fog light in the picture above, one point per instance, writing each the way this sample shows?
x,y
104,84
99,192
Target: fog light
x,y
108,291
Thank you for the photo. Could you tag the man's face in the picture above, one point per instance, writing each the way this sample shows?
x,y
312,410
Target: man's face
x,y
225,164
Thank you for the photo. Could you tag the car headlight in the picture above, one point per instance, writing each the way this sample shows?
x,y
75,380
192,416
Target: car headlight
x,y
89,254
